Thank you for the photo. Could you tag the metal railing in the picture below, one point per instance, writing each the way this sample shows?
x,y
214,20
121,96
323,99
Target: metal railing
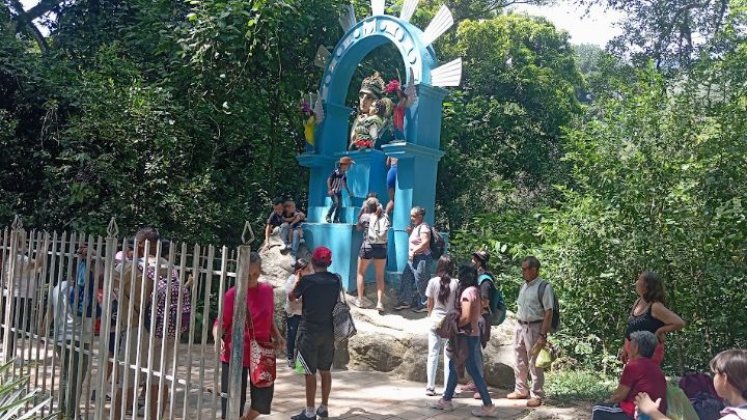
x,y
64,331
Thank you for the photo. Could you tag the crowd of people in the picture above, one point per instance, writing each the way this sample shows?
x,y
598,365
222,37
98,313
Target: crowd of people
x,y
462,302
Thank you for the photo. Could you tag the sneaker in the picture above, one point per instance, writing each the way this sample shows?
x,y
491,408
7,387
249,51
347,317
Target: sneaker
x,y
443,405
400,306
516,395
322,413
301,241
430,392
357,302
380,307
534,402
291,363
468,387
485,411
329,219
420,309
302,416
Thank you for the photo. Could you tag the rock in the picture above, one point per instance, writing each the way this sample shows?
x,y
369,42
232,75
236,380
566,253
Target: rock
x,y
396,342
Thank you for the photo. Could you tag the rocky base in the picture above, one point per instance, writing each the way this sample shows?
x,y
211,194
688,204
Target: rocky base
x,y
395,342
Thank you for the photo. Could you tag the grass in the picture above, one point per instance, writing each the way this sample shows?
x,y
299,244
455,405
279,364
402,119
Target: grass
x,y
567,387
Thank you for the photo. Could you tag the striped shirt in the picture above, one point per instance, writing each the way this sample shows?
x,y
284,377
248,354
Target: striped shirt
x,y
337,179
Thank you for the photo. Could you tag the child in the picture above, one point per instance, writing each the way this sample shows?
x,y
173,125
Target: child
x,y
335,183
730,380
292,219
275,220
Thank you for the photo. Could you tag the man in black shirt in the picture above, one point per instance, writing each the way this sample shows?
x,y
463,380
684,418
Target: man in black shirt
x,y
316,342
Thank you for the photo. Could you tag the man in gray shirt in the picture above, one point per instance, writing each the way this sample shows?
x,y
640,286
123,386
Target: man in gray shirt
x,y
534,321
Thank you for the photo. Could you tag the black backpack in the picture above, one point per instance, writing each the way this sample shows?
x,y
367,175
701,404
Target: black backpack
x,y
555,303
437,244
497,303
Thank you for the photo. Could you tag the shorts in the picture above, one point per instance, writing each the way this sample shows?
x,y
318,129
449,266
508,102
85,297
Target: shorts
x,y
391,177
316,350
140,345
372,251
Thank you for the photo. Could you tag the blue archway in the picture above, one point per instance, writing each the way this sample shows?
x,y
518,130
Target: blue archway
x,y
418,156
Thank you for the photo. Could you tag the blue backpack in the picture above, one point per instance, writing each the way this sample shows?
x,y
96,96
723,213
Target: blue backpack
x,y
497,303
83,302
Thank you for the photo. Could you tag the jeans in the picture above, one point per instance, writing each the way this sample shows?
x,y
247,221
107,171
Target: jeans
x,y
435,347
415,280
71,385
291,330
336,208
285,228
474,372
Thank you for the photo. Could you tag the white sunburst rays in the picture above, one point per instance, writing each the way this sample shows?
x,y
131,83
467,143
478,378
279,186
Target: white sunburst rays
x,y
408,9
377,7
449,74
347,19
441,23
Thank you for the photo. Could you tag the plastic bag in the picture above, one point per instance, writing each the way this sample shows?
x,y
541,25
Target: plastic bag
x,y
544,359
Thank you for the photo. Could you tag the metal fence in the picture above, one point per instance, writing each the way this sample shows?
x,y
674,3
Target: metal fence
x,y
71,308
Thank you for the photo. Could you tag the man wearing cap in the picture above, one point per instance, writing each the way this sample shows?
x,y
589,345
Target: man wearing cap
x,y
336,181
316,342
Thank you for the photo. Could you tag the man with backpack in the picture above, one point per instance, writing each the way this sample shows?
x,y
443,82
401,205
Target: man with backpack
x,y
146,285
536,317
420,257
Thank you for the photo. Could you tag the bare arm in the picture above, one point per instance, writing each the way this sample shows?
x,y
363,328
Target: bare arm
x,y
620,393
268,231
672,322
425,241
645,405
431,303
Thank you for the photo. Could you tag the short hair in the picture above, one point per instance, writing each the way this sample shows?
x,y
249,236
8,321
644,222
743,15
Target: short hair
x,y
372,204
419,211
733,364
254,258
148,234
646,342
532,262
654,287
277,200
372,195
289,200
300,264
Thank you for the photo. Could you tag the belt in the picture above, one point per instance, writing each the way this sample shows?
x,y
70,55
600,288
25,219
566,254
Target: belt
x,y
531,322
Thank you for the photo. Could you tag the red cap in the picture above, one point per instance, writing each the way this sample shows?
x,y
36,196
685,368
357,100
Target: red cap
x,y
322,256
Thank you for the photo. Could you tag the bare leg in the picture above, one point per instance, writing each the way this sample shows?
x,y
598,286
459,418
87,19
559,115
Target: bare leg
x,y
153,395
251,416
390,204
311,389
362,267
129,396
326,386
380,265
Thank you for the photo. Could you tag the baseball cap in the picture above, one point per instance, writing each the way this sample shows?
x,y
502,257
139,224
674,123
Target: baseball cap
x,y
482,256
322,256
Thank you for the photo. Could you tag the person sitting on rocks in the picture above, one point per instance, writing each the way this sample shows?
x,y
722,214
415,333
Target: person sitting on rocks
x,y
274,221
290,230
641,374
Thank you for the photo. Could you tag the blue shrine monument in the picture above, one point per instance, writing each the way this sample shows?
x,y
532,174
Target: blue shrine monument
x,y
415,148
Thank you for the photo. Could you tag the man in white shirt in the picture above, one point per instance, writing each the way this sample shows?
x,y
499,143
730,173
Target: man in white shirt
x,y
534,319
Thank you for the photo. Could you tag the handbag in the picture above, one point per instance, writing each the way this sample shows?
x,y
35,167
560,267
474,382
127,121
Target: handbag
x,y
262,361
342,319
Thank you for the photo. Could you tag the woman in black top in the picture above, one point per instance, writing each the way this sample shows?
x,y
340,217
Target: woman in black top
x,y
650,314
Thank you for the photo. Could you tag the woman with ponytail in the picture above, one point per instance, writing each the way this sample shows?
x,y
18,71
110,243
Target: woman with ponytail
x,y
441,292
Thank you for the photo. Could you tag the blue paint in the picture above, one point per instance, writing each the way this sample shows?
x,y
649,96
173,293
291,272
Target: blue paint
x,y
418,157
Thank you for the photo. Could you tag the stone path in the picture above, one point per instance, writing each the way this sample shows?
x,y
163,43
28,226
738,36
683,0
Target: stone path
x,y
375,396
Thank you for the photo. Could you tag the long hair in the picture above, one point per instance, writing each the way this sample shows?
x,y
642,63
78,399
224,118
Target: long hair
x,y
467,278
654,287
444,269
733,364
